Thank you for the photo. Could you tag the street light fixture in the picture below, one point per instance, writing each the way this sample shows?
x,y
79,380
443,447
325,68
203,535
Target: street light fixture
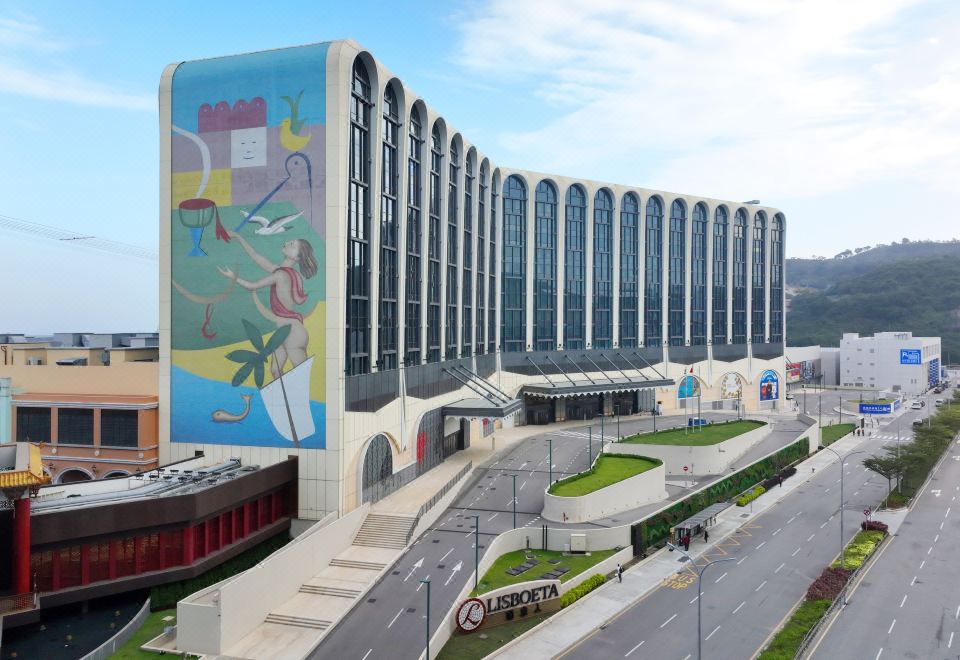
x,y
426,581
700,572
843,548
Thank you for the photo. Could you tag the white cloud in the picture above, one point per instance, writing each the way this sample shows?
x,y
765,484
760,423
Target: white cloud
x,y
34,64
731,98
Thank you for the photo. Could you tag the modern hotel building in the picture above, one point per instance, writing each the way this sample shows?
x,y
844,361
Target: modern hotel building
x,y
348,278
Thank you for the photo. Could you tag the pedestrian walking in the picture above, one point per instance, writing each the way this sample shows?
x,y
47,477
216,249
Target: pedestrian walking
x,y
706,536
619,573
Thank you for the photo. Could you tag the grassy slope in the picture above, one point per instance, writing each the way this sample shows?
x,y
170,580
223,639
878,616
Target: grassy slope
x,y
152,627
496,575
475,647
834,432
606,471
710,434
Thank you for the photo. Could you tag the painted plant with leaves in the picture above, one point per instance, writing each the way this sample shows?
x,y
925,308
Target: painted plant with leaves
x,y
255,361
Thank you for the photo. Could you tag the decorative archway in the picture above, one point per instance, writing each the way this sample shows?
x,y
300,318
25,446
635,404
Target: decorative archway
x,y
377,468
116,473
73,475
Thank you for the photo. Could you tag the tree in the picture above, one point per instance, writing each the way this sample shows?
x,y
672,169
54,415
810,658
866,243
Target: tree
x,y
889,466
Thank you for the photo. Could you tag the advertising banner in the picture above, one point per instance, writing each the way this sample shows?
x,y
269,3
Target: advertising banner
x,y
769,386
689,388
910,356
793,372
875,408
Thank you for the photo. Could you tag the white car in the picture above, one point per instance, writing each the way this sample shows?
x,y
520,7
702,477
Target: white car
x,y
938,402
916,405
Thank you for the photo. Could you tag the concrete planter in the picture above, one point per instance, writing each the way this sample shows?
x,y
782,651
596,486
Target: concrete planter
x,y
711,459
638,490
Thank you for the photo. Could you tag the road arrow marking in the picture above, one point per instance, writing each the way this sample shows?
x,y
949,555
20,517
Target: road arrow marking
x,y
454,572
419,564
936,493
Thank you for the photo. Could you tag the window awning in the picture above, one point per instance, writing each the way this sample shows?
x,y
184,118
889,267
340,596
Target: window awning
x,y
482,408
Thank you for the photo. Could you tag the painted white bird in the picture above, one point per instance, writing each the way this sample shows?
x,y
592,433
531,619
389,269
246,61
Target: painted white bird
x,y
270,227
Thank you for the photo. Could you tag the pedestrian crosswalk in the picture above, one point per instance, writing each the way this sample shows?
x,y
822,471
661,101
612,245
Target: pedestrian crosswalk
x,y
583,435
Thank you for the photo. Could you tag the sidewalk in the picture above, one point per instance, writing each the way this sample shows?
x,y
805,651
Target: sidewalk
x,y
565,629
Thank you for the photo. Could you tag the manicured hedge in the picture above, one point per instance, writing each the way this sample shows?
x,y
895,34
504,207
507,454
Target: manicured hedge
x,y
830,583
785,644
751,495
861,547
582,589
875,525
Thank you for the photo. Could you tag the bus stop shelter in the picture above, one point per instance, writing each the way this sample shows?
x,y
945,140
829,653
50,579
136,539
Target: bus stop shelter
x,y
698,523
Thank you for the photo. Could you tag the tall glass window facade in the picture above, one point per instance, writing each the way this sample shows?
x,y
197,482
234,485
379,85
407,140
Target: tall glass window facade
x,y
492,266
653,275
759,303
698,277
575,270
676,299
776,279
629,270
358,225
466,298
740,277
434,242
453,252
513,325
389,233
720,275
545,269
414,236
482,262
602,269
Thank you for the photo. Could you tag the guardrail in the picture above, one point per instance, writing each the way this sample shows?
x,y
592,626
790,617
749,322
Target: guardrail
x,y
429,504
19,603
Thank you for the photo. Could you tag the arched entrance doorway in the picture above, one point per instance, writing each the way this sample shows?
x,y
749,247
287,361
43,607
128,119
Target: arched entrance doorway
x,y
72,476
116,473
377,469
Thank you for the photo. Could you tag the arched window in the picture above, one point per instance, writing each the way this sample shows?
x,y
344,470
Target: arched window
x,y
698,276
358,225
776,279
513,327
414,236
740,277
545,269
467,294
481,322
653,275
602,269
575,270
629,270
377,466
676,299
758,327
492,296
720,275
453,252
434,245
389,232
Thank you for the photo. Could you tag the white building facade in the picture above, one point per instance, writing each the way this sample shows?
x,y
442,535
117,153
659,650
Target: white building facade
x,y
894,361
441,294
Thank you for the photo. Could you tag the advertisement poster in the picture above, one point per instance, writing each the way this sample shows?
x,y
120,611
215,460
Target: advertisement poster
x,y
793,371
769,386
689,388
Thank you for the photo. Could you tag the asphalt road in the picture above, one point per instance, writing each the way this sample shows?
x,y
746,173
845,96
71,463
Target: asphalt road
x,y
777,556
391,622
908,604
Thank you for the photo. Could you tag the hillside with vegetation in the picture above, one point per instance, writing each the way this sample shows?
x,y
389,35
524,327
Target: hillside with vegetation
x,y
912,286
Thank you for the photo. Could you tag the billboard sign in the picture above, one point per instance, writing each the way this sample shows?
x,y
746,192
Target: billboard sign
x,y
793,371
911,356
247,236
769,386
689,387
875,408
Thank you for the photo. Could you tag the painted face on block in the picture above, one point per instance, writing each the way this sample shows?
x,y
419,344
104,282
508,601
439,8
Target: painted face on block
x,y
248,147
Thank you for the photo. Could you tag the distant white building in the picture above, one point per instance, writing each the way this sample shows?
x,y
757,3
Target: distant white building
x,y
895,361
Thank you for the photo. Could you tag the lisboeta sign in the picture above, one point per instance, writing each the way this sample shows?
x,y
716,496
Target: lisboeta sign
x,y
510,603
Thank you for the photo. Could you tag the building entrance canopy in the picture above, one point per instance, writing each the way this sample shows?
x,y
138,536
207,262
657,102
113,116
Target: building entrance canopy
x,y
588,388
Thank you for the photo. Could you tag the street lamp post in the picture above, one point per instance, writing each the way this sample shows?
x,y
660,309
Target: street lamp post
x,y
590,446
476,550
550,460
514,500
843,460
426,581
618,423
820,411
700,572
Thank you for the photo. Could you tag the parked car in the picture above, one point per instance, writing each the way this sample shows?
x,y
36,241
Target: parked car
x,y
789,397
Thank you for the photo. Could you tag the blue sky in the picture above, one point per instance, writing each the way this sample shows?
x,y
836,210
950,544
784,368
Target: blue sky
x,y
844,115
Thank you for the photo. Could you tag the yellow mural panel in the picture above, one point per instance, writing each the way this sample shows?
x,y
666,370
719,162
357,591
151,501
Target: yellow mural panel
x,y
219,187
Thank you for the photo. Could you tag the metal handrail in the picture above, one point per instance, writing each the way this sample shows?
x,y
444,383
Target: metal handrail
x,y
429,504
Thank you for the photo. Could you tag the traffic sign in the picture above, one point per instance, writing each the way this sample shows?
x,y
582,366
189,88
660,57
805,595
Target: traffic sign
x,y
685,468
866,512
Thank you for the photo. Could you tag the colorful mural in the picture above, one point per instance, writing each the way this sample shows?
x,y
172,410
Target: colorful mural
x,y
248,241
689,387
731,386
769,386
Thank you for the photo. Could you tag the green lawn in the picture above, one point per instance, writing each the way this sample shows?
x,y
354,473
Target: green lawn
x,y
608,470
880,401
832,433
152,627
485,641
697,436
785,644
497,576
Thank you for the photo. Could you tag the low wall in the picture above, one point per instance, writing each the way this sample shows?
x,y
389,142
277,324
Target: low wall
x,y
638,490
708,459
214,619
813,432
110,646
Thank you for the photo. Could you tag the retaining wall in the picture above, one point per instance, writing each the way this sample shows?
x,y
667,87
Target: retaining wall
x,y
638,490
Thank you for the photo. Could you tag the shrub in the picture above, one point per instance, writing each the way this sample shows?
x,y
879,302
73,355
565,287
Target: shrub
x,y
784,646
746,498
582,589
830,583
861,547
874,525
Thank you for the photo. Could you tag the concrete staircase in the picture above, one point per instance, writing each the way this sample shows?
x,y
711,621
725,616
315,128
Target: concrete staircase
x,y
385,531
298,621
362,565
327,590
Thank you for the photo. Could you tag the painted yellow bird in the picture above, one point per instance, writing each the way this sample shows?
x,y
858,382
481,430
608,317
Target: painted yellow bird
x,y
290,140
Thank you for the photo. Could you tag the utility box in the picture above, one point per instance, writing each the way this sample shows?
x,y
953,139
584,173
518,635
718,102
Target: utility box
x,y
578,543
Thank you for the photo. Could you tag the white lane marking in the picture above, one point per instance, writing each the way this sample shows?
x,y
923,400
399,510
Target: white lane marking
x,y
688,657
950,641
855,493
904,600
470,533
394,619
761,545
366,655
947,513
957,615
668,621
795,552
446,555
426,579
779,567
941,527
739,606
777,532
810,538
913,581
930,549
694,600
711,634
762,584
521,486
827,490
922,564
791,520
721,577
634,649
742,560
878,653
823,525
936,538
493,516
890,629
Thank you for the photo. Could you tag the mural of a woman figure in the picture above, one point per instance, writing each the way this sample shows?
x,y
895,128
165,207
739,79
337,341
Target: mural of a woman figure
x,y
286,291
